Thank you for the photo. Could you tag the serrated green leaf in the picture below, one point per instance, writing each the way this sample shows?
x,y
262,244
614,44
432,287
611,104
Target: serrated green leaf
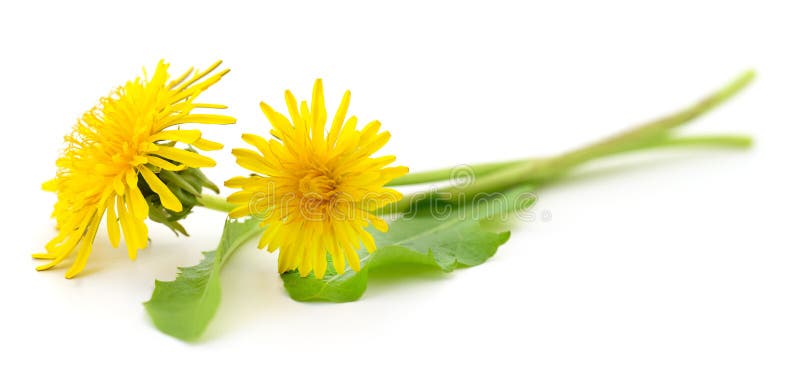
x,y
183,308
458,240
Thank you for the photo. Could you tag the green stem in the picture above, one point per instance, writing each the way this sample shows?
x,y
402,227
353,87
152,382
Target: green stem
x,y
541,172
441,174
635,138
500,176
660,128
711,141
216,203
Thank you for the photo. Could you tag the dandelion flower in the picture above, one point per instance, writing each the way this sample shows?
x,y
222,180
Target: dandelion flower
x,y
315,191
121,161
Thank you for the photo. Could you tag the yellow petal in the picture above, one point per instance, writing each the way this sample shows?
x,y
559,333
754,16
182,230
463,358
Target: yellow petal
x,y
366,238
138,203
320,264
111,222
201,119
240,211
68,237
85,249
338,262
378,223
268,235
50,185
168,199
291,104
197,76
180,78
257,141
318,114
188,158
306,265
207,145
187,136
252,161
134,229
352,258
236,182
119,187
279,121
127,230
377,143
305,114
163,164
338,119
287,259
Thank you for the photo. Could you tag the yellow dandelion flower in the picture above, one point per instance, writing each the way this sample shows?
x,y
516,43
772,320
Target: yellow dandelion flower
x,y
118,153
315,191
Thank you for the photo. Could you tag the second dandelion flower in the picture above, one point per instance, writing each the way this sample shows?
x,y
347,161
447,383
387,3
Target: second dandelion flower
x,y
315,192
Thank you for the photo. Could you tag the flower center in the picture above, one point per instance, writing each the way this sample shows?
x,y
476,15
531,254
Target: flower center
x,y
317,185
113,159
125,155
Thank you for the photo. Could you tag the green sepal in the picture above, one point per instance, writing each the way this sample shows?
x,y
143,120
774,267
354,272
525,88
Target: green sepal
x,y
187,185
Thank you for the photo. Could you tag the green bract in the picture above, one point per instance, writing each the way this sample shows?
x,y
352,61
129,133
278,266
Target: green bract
x,y
187,185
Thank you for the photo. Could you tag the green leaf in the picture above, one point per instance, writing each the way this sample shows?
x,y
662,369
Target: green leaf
x,y
183,308
461,238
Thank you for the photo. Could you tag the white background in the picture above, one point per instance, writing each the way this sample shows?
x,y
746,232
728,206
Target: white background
x,y
668,268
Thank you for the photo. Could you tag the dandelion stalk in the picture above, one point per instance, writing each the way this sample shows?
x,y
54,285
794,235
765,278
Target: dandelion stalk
x,y
216,203
493,177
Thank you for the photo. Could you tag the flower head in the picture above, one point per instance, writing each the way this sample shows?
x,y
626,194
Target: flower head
x,y
315,191
121,160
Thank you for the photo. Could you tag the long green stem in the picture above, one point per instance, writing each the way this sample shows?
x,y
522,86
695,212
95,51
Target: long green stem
x,y
710,141
479,170
216,203
499,176
541,171
435,175
632,138
660,128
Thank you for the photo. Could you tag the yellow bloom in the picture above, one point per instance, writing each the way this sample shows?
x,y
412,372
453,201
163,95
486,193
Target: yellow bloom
x,y
315,192
130,133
